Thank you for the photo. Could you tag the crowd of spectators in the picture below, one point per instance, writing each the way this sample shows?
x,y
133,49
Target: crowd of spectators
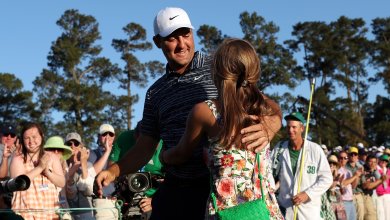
x,y
62,173
361,181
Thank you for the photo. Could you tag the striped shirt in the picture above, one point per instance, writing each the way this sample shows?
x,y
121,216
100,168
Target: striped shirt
x,y
167,105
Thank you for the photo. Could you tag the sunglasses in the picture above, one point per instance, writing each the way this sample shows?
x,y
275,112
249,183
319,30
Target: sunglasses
x,y
108,133
353,154
9,134
343,158
74,143
333,163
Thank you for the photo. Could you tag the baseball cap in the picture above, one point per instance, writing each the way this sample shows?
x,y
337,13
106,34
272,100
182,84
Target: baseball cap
x,y
58,142
387,151
384,157
363,151
73,136
170,19
353,150
8,129
360,145
106,128
295,116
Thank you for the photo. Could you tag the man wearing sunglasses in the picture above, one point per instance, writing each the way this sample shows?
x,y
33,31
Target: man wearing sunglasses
x,y
8,145
350,181
100,156
353,165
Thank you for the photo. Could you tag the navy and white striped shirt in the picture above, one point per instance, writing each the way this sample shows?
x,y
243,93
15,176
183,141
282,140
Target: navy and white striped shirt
x,y
167,105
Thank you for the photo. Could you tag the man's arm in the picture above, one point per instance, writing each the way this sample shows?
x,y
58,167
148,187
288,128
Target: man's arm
x,y
131,162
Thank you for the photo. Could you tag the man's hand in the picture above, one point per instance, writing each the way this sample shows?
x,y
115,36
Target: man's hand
x,y
255,137
104,178
7,151
300,198
146,204
84,154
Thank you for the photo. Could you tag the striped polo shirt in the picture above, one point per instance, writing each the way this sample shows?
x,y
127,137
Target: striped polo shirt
x,y
167,105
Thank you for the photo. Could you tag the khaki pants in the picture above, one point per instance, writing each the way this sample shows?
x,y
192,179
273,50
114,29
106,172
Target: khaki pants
x,y
369,208
359,205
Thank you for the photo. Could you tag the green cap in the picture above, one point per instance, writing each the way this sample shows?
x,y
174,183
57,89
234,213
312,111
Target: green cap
x,y
384,157
295,116
58,142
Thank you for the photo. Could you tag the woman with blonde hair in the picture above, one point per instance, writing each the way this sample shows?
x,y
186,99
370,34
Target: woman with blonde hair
x,y
234,169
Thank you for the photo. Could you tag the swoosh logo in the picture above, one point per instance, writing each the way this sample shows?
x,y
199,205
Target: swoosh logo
x,y
198,77
171,18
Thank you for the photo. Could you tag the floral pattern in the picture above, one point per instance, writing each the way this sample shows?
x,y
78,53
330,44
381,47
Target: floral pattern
x,y
235,176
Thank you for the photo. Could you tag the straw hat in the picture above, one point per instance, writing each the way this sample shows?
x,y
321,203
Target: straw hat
x,y
58,142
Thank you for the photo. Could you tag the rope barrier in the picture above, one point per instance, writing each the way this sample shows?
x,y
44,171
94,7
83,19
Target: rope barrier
x,y
62,211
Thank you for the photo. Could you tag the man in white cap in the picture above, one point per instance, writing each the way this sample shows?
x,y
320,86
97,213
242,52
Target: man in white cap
x,y
187,81
99,156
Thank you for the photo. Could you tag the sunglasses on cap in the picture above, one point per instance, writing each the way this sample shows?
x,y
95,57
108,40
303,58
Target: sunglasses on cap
x,y
9,134
343,158
108,133
74,143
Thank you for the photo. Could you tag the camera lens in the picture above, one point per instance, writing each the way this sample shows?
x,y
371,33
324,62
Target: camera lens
x,y
138,182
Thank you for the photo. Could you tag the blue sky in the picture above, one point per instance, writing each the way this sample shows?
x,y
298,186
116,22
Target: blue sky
x,y
28,27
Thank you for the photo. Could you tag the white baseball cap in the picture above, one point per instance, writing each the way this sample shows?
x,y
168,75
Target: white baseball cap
x,y
170,19
106,128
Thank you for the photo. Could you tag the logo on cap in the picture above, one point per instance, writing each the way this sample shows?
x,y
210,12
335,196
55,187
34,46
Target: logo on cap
x,y
171,18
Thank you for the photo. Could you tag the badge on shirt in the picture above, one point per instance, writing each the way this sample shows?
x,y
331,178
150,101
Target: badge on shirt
x,y
43,187
311,169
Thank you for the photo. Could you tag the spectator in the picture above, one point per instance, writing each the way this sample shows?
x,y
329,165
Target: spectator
x,y
350,182
362,155
79,186
370,180
45,173
316,174
333,195
185,190
383,190
61,152
105,207
99,156
353,165
9,146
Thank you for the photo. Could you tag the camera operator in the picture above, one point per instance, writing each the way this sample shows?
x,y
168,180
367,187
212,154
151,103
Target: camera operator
x,y
125,142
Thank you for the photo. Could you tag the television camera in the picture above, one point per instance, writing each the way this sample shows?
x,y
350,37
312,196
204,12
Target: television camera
x,y
131,190
19,183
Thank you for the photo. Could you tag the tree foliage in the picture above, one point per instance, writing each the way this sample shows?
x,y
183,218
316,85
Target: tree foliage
x,y
15,104
381,50
73,84
134,71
